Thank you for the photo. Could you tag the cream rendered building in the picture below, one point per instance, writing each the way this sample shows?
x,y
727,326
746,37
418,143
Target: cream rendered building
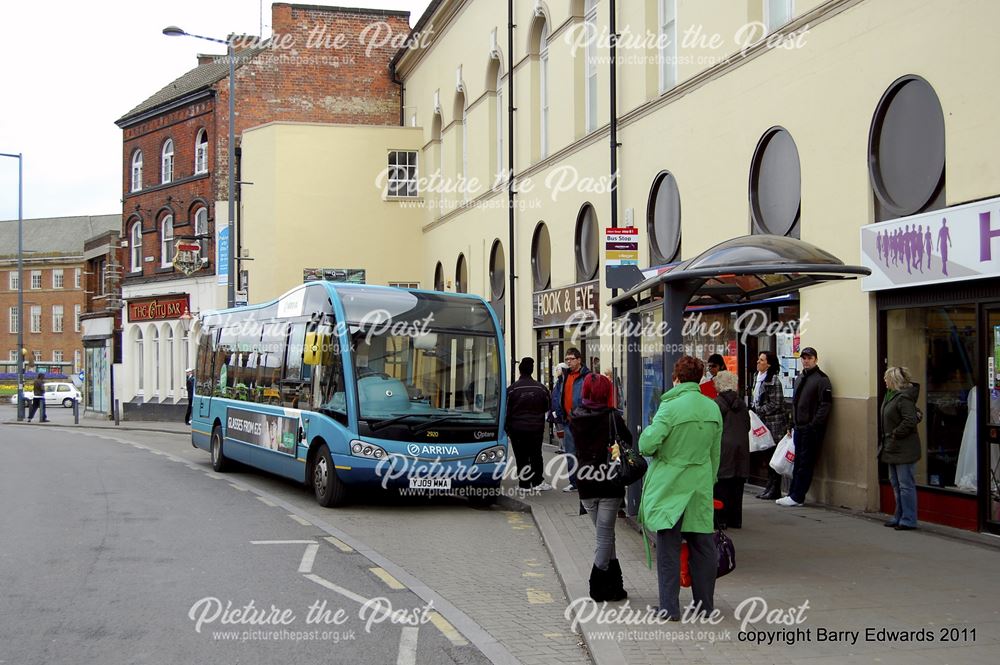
x,y
704,88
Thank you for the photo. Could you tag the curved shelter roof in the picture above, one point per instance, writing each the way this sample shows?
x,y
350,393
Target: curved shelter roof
x,y
750,268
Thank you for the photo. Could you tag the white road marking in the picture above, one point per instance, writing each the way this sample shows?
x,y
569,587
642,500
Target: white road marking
x,y
282,542
361,600
408,646
384,575
339,544
308,558
301,521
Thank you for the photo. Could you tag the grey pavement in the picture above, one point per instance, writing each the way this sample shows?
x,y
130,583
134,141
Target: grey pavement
x,y
938,584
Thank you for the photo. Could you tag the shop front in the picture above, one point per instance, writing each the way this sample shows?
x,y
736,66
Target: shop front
x,y
98,349
565,318
736,299
936,279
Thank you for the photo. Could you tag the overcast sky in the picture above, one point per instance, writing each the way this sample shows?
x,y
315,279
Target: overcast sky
x,y
70,68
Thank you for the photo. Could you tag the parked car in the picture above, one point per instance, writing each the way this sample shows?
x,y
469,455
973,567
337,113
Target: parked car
x,y
55,393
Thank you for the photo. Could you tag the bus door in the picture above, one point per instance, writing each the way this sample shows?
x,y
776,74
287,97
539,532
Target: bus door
x,y
204,371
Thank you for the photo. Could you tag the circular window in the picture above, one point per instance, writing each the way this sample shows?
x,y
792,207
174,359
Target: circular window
x,y
906,147
439,277
776,183
587,244
663,220
461,275
541,258
498,271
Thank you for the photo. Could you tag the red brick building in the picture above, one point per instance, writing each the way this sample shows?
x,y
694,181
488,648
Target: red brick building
x,y
322,64
54,290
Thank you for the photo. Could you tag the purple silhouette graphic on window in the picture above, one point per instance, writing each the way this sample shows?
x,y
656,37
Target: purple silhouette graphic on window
x,y
943,242
929,246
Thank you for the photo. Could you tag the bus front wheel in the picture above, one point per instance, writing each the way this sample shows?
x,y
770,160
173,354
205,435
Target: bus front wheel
x,y
220,462
330,491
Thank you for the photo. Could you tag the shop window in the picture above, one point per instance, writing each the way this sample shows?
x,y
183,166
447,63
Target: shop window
x,y
663,220
938,346
906,158
776,185
587,244
541,258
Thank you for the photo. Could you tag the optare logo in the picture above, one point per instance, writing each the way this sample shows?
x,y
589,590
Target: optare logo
x,y
413,449
479,436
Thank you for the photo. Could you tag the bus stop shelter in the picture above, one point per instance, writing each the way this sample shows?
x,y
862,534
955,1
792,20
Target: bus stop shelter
x,y
738,271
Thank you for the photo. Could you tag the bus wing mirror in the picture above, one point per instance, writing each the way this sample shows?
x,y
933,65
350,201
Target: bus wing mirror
x,y
317,350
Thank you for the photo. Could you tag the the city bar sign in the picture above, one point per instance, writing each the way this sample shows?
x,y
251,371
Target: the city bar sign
x,y
577,303
947,245
157,309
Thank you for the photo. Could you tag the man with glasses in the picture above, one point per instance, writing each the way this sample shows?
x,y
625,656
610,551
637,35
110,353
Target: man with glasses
x,y
567,399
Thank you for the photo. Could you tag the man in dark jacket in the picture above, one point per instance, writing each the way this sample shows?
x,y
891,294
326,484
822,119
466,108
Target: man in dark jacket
x,y
811,404
527,406
38,399
570,394
189,382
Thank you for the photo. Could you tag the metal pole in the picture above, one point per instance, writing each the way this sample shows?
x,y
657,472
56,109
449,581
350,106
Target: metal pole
x,y
231,287
20,281
614,117
511,191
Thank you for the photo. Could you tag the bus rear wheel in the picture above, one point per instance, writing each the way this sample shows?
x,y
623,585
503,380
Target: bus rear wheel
x,y
220,462
329,489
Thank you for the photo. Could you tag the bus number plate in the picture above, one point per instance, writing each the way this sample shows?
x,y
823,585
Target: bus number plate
x,y
430,483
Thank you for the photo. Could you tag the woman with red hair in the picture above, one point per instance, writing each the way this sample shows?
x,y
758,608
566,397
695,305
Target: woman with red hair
x,y
593,424
684,441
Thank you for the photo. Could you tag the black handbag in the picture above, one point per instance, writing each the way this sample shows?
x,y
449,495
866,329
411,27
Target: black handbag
x,y
630,465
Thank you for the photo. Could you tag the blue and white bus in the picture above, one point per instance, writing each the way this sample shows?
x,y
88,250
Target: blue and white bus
x,y
342,386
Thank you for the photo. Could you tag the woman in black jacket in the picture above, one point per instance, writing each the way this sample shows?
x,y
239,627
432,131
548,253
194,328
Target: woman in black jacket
x,y
734,460
593,425
768,402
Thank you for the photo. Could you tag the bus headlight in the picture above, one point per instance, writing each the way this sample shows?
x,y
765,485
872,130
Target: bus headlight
x,y
365,449
493,455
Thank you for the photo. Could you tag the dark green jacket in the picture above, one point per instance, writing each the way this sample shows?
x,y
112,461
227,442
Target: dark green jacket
x,y
900,440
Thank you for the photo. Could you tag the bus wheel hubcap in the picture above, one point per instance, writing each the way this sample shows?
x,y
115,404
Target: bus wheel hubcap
x,y
322,473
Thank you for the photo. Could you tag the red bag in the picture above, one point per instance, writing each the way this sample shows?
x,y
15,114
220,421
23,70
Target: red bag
x,y
727,554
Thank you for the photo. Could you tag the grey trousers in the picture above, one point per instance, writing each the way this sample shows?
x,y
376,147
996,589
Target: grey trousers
x,y
703,561
603,513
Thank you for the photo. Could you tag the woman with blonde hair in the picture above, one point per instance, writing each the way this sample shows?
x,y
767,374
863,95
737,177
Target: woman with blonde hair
x,y
899,447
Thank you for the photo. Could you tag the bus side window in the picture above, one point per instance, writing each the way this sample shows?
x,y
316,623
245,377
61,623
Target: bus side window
x,y
293,389
269,366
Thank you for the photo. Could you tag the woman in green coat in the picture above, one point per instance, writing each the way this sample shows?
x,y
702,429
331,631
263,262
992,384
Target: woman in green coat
x,y
684,441
900,446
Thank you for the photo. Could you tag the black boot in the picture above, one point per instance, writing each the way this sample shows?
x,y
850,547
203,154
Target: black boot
x,y
598,584
773,489
615,583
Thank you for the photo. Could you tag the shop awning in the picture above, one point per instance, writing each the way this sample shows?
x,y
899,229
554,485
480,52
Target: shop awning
x,y
747,269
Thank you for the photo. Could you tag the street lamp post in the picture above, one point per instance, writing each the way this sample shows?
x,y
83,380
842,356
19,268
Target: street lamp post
x,y
174,31
20,281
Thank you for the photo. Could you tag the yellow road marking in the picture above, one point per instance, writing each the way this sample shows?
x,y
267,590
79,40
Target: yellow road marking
x,y
300,520
339,544
447,630
266,502
539,597
384,575
237,487
532,575
552,635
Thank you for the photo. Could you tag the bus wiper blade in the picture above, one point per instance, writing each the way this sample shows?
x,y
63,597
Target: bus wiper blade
x,y
430,423
390,421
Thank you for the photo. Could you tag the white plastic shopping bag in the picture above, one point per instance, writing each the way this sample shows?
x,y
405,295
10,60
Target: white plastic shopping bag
x,y
760,435
783,459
